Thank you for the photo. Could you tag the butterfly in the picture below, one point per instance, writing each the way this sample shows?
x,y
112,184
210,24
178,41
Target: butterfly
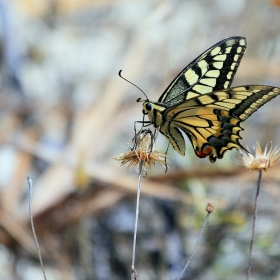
x,y
200,103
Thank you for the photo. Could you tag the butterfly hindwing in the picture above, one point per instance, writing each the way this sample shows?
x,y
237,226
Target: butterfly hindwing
x,y
212,121
213,70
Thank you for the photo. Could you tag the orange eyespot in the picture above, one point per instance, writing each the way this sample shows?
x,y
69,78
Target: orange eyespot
x,y
207,150
200,154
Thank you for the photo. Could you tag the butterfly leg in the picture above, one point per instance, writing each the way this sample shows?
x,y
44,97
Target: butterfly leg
x,y
134,139
165,158
154,139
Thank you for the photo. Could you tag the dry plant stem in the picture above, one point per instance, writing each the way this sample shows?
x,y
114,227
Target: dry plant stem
x,y
254,225
133,270
194,250
29,179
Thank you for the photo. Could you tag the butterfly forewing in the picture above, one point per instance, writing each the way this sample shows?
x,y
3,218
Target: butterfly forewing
x,y
213,70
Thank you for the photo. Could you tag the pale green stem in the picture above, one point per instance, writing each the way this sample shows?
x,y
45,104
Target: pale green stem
x,y
29,179
254,225
133,270
194,250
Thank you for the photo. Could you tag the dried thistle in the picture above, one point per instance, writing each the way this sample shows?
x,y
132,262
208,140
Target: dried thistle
x,y
262,159
210,207
143,150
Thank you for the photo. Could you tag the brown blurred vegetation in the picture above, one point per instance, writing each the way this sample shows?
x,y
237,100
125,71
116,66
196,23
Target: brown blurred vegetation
x,y
65,113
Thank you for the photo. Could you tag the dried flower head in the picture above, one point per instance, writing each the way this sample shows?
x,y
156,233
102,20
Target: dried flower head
x,y
262,159
210,207
142,150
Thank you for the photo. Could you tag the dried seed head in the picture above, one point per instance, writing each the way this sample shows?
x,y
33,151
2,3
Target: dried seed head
x,y
210,207
262,159
143,150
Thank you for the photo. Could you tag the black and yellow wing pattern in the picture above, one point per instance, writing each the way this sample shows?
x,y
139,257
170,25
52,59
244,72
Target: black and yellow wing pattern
x,y
200,104
213,70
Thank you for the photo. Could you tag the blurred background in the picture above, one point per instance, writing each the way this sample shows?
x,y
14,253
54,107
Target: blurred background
x,y
65,113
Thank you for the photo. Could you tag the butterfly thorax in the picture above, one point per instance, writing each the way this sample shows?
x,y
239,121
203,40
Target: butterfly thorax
x,y
154,111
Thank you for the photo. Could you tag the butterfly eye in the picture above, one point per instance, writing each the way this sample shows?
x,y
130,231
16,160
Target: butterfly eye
x,y
148,107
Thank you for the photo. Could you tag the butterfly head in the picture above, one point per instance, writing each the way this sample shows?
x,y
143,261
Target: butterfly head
x,y
154,111
148,109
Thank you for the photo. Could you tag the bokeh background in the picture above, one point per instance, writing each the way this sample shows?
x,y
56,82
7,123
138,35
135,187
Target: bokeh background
x,y
65,113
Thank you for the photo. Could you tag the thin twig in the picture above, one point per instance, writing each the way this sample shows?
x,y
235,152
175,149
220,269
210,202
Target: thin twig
x,y
194,250
133,270
254,225
29,179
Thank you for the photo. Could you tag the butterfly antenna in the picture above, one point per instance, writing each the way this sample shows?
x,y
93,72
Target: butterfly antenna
x,y
138,100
